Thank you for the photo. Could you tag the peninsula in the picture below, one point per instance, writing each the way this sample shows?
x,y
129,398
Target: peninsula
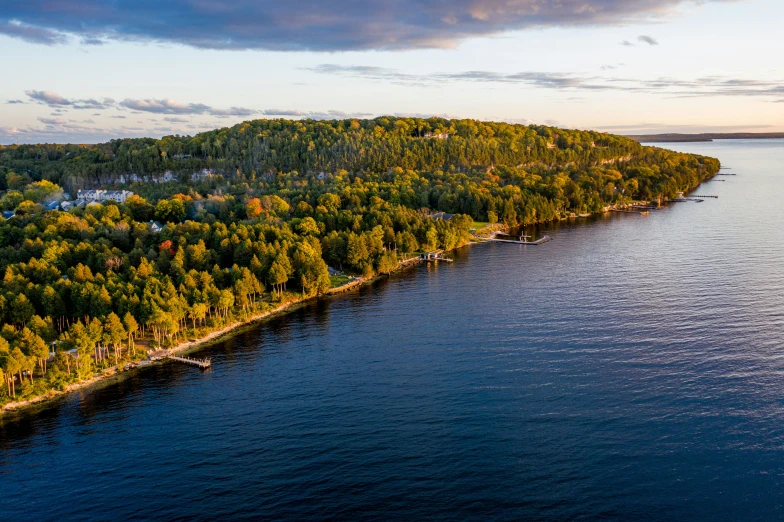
x,y
119,252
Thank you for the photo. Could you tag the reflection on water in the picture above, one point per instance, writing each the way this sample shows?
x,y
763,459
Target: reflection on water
x,y
629,369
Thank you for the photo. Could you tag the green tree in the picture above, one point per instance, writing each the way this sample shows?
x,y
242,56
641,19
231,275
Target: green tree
x,y
114,334
387,262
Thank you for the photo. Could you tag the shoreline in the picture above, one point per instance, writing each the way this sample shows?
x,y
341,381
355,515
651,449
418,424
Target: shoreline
x,y
188,346
237,326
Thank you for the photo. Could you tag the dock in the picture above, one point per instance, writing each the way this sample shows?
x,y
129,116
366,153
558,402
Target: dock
x,y
714,197
642,211
524,241
201,363
434,257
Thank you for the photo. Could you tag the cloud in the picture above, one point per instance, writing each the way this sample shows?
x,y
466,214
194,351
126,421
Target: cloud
x,y
52,99
169,106
627,43
48,97
92,41
315,115
69,133
283,112
650,40
338,25
164,106
174,119
233,111
567,81
52,121
30,33
14,102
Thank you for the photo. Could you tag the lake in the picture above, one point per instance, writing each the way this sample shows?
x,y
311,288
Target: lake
x,y
630,369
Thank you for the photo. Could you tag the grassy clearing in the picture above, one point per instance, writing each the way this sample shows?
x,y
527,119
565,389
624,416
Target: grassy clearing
x,y
338,280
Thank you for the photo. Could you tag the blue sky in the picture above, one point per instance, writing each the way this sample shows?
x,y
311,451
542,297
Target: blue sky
x,y
89,71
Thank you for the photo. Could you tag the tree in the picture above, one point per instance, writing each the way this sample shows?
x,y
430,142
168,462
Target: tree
x,y
5,353
170,210
308,226
21,310
13,367
34,347
277,276
253,208
131,326
387,262
113,334
356,251
140,209
226,301
198,313
432,237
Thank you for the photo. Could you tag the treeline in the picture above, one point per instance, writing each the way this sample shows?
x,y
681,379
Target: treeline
x,y
274,146
288,199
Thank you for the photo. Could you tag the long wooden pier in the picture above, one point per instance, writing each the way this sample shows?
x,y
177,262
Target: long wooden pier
x,y
201,363
540,241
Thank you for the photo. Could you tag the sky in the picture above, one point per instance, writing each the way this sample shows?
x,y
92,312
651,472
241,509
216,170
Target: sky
x,y
86,71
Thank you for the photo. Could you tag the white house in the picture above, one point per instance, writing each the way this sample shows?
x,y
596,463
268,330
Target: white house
x,y
155,226
98,196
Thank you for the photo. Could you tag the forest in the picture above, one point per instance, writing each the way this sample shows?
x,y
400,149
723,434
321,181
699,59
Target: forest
x,y
254,215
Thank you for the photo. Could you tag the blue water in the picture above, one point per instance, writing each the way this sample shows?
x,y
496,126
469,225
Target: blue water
x,y
630,369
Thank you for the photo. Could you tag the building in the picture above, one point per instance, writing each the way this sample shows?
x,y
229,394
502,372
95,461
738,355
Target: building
x,y
431,256
437,136
155,226
99,196
442,215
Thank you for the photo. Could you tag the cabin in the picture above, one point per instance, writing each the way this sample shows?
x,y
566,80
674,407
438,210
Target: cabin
x,y
437,136
155,226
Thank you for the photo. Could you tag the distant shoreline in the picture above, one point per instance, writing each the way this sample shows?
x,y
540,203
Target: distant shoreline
x,y
703,137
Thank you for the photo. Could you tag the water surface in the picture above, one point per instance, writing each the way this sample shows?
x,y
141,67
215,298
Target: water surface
x,y
630,369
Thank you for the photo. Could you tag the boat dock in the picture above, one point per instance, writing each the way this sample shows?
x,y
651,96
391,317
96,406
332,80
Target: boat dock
x,y
201,363
715,197
434,257
523,241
